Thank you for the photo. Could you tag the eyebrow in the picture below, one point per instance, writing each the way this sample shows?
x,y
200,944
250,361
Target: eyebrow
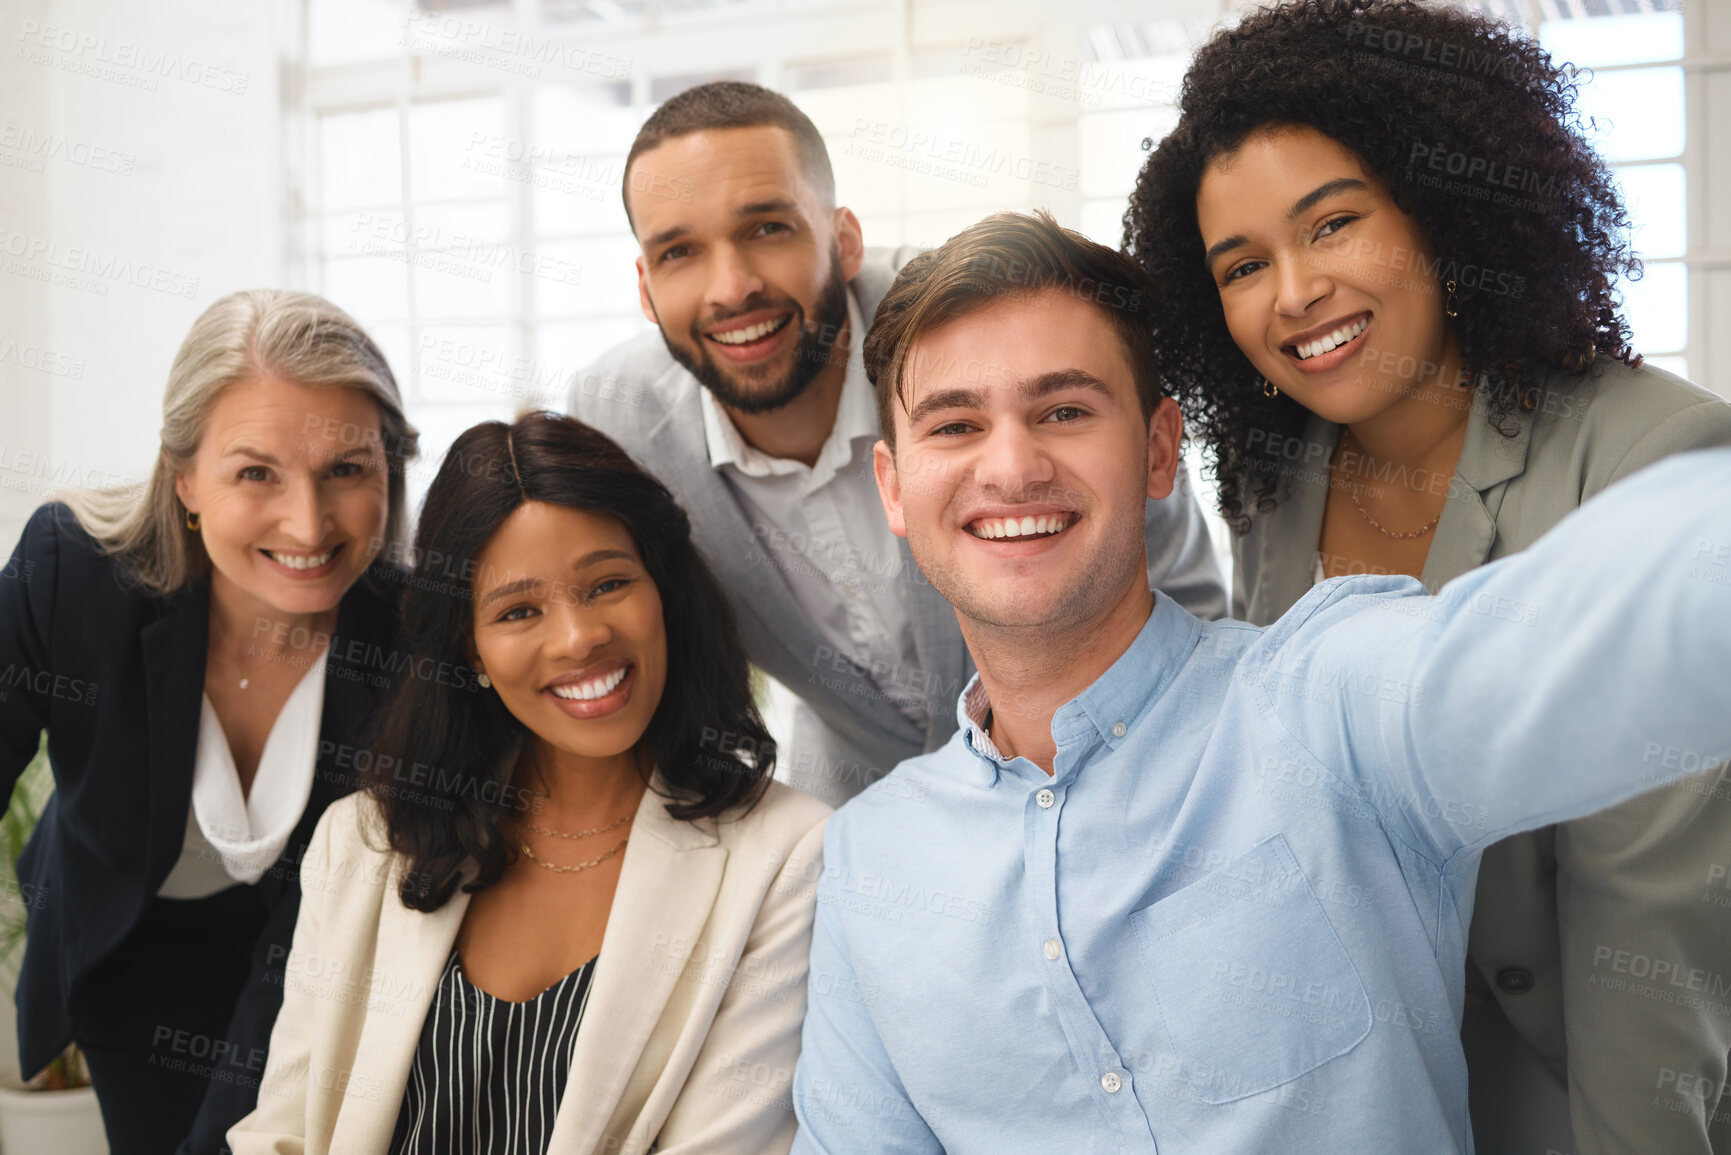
x,y
772,205
755,208
1061,379
527,583
665,235
1028,390
1220,248
1308,200
260,455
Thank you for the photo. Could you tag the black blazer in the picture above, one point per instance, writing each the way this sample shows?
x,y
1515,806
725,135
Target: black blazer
x,y
116,676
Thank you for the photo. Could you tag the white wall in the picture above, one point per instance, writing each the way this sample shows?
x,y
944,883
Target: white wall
x,y
106,181
140,165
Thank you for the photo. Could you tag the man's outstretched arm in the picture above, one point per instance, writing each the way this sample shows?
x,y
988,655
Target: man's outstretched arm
x,y
1545,686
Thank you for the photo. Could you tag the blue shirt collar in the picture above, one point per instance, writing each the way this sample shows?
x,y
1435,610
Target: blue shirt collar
x,y
1110,708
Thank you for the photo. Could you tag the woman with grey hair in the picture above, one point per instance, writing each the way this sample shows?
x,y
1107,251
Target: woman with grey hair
x,y
204,650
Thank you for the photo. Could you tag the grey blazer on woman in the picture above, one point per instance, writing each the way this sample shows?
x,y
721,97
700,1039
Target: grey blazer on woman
x,y
1610,916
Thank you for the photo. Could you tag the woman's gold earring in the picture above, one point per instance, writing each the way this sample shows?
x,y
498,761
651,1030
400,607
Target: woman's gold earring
x,y
1449,304
1269,388
485,682
192,520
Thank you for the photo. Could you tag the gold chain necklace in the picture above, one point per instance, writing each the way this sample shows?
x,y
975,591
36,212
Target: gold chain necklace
x,y
1352,492
581,833
1365,513
556,868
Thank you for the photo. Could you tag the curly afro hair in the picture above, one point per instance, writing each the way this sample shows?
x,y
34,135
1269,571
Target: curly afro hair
x,y
1405,86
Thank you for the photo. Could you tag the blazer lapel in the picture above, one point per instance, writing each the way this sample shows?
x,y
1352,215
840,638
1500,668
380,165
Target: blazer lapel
x,y
780,638
667,887
1288,563
719,528
1468,527
174,658
409,958
367,644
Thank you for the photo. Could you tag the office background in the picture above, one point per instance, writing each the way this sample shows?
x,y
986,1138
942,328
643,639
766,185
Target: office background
x,y
450,173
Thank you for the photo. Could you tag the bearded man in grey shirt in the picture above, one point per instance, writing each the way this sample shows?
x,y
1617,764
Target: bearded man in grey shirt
x,y
751,403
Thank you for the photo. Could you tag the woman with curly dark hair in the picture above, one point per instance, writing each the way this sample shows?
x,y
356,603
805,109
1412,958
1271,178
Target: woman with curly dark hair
x,y
1388,259
570,911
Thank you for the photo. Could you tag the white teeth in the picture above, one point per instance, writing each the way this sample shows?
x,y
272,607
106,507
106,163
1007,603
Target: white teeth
x,y
595,688
751,333
992,528
1334,340
302,561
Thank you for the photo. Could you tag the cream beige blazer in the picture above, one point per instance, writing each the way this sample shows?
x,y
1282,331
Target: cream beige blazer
x,y
692,1027
1562,913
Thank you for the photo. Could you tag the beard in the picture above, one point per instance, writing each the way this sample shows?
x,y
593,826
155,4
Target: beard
x,y
748,393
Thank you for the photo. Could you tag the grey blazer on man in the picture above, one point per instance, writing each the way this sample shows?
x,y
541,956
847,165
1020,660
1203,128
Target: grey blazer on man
x,y
643,399
1575,915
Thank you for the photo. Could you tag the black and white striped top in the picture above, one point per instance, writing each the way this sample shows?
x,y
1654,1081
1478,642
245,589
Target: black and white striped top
x,y
488,1074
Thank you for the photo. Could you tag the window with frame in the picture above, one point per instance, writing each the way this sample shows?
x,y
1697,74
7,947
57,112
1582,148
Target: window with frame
x,y
460,189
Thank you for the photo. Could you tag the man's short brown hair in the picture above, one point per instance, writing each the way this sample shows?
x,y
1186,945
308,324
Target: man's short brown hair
x,y
723,104
1009,255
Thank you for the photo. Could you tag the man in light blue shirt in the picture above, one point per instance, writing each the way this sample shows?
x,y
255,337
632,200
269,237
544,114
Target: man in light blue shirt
x,y
1180,886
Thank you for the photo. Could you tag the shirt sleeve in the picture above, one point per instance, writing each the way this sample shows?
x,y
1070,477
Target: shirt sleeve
x,y
846,1094
1536,689
1181,561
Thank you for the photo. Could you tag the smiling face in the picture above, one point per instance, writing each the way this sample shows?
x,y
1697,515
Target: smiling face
x,y
1023,463
1328,288
744,268
290,486
568,626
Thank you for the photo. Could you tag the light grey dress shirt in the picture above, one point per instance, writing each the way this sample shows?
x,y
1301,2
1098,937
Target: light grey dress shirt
x,y
822,527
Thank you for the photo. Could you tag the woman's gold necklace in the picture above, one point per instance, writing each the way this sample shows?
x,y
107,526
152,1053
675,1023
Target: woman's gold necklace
x,y
555,867
1352,492
581,833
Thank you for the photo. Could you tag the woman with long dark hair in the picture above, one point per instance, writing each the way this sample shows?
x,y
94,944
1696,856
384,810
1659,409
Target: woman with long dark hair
x,y
1388,260
571,912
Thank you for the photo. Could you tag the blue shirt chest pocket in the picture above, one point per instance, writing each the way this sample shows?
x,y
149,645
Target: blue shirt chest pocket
x,y
1252,982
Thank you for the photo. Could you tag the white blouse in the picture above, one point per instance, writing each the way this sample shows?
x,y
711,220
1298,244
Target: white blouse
x,y
234,838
